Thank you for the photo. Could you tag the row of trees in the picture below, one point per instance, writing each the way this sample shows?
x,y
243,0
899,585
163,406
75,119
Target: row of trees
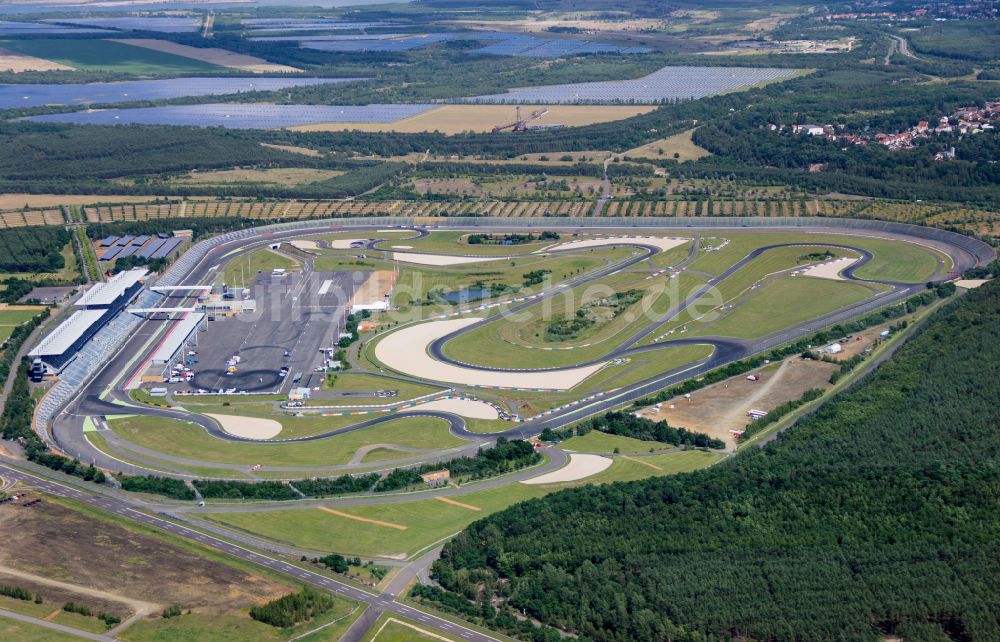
x,y
628,425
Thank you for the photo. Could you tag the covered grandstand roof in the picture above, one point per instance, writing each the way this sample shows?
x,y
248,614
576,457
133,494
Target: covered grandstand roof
x,y
178,335
62,338
108,293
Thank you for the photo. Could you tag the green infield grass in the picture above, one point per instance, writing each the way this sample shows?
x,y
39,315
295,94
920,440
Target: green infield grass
x,y
596,441
893,260
784,302
185,440
350,382
244,269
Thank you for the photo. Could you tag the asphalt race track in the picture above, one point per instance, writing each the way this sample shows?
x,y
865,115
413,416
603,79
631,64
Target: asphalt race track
x,y
94,399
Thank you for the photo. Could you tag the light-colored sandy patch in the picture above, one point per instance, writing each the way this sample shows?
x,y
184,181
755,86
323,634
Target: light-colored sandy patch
x,y
19,63
465,407
580,466
140,607
456,119
304,245
10,306
662,243
211,55
338,513
376,288
406,351
831,269
294,149
970,284
248,427
459,504
345,244
402,247
442,259
718,409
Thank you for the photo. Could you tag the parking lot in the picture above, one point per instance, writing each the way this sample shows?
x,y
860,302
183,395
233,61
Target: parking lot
x,y
296,316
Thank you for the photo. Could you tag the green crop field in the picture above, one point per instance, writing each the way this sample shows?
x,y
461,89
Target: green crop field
x,y
106,55
180,439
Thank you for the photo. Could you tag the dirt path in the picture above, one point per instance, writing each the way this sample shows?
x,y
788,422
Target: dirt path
x,y
640,461
739,410
446,500
138,606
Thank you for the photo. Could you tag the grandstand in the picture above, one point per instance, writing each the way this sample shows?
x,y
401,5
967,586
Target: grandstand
x,y
117,291
62,344
97,307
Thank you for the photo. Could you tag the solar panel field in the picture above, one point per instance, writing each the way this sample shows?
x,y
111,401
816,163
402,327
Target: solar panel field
x,y
30,95
666,84
162,24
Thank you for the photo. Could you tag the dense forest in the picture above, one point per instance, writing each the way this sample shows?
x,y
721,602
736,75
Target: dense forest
x,y
875,516
33,249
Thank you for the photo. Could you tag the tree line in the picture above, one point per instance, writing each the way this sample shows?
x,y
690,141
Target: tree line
x,y
872,517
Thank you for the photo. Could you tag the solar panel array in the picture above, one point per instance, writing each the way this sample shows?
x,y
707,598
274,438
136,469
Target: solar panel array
x,y
666,84
240,116
308,24
9,28
166,248
36,95
162,24
495,43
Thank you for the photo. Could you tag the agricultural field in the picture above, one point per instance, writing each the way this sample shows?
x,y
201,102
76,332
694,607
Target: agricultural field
x,y
276,177
107,55
212,56
457,119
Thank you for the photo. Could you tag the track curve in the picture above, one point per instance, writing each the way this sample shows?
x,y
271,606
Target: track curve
x,y
67,428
